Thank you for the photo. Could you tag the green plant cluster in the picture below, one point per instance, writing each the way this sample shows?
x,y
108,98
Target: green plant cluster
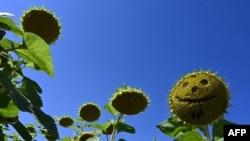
x,y
18,92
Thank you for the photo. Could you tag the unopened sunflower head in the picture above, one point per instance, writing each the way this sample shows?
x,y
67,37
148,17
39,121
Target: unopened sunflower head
x,y
199,98
129,101
89,112
66,121
41,22
85,135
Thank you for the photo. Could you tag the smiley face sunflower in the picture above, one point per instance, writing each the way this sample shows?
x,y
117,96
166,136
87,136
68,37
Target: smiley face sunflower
x,y
199,98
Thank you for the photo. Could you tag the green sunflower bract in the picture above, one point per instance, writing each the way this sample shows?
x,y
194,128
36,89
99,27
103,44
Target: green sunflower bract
x,y
199,98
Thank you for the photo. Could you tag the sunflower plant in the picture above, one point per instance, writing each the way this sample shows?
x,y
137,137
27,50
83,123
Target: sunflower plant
x,y
198,102
18,92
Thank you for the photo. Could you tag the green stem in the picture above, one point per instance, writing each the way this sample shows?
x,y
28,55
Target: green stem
x,y
205,131
115,129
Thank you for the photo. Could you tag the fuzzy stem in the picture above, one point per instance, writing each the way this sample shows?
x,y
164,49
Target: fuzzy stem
x,y
205,131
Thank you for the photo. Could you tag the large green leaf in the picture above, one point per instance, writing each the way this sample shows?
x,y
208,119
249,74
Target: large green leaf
x,y
8,24
218,129
190,136
30,92
173,126
123,127
21,129
24,105
37,51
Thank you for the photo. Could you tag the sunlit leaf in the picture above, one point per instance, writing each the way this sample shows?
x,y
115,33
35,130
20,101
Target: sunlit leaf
x,y
37,51
173,126
22,131
190,136
10,111
8,24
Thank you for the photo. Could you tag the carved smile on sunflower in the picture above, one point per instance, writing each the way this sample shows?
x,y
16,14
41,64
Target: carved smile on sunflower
x,y
199,98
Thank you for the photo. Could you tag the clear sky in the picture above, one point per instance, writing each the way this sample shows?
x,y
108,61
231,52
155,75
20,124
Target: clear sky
x,y
145,44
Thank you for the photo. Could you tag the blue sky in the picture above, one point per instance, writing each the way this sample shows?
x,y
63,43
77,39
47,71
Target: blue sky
x,y
145,44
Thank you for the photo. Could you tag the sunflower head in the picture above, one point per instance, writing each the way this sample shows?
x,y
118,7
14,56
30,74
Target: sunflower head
x,y
85,135
129,101
41,22
66,121
89,112
199,98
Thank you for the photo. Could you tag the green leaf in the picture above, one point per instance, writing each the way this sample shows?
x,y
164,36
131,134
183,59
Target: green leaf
x,y
8,44
10,111
47,121
173,126
34,84
190,136
102,127
218,128
8,24
23,104
108,107
123,127
19,100
37,51
21,129
28,89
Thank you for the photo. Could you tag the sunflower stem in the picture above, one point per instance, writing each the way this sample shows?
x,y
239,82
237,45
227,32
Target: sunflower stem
x,y
115,129
205,131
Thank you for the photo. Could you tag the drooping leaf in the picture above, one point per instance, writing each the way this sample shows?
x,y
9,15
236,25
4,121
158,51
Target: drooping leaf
x,y
37,51
7,14
218,129
34,84
30,93
22,131
19,100
8,24
108,107
47,121
190,136
23,104
123,127
173,126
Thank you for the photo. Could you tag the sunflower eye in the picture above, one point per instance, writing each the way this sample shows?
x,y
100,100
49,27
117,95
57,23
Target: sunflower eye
x,y
204,81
